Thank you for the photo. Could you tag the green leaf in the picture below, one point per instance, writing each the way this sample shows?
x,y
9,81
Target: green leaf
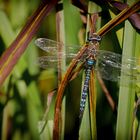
x,y
127,93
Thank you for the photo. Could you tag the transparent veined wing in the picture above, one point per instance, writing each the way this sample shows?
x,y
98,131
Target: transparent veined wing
x,y
110,66
53,48
54,53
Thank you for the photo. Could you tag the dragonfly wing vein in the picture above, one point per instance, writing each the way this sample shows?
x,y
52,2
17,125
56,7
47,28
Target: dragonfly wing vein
x,y
55,48
46,62
110,66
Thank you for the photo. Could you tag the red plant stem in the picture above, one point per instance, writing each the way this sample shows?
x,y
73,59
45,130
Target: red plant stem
x,y
106,92
61,91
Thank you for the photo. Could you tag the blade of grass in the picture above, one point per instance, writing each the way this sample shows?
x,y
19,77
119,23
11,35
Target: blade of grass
x,y
137,54
134,19
8,36
16,49
60,29
119,18
92,96
127,93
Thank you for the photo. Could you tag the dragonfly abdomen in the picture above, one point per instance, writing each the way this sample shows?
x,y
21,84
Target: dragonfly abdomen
x,y
90,63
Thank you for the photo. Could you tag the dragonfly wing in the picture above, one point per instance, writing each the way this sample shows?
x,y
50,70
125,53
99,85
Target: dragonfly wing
x,y
55,48
47,45
46,62
110,66
131,68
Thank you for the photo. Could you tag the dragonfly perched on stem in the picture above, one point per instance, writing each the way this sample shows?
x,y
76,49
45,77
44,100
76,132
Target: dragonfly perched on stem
x,y
107,64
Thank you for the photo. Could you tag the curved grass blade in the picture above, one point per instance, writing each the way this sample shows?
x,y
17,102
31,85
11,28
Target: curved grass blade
x,y
134,18
127,12
16,49
61,91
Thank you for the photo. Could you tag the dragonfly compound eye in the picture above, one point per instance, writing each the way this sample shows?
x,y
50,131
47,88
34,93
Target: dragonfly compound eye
x,y
94,37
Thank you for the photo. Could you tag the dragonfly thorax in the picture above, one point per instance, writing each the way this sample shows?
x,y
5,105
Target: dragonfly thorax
x,y
93,41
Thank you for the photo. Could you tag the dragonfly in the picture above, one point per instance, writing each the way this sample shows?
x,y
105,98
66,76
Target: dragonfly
x,y
108,64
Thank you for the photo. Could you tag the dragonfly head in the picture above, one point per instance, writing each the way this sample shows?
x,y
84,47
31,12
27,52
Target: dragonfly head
x,y
94,37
